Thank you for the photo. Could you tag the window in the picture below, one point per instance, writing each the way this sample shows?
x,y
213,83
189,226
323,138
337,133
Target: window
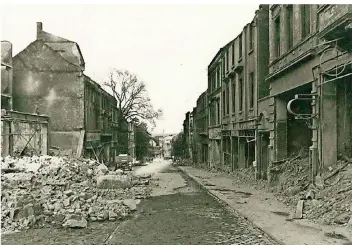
x,y
223,65
305,20
240,93
277,33
218,112
223,103
233,95
251,37
215,73
233,53
212,113
289,26
227,59
251,90
240,46
218,77
228,98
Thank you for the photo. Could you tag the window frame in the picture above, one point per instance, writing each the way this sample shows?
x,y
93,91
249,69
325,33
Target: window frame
x,y
277,36
240,95
289,26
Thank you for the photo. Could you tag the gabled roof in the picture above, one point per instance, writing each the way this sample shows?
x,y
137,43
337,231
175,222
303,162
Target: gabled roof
x,y
48,37
40,57
69,50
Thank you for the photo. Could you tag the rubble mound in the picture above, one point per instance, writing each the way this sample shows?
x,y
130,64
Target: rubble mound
x,y
63,191
333,203
328,201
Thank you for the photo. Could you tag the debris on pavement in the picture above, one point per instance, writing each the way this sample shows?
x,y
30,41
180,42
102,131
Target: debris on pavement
x,y
63,191
328,202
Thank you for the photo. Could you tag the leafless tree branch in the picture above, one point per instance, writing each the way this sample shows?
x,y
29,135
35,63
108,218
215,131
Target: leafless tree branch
x,y
132,97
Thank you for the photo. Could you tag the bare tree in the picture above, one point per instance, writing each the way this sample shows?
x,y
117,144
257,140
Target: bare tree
x,y
132,98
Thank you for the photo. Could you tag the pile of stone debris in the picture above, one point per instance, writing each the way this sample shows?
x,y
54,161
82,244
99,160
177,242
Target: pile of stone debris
x,y
331,200
328,201
62,191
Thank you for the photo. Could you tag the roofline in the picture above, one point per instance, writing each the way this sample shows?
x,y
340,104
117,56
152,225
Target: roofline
x,y
214,58
100,87
202,95
45,43
41,41
221,49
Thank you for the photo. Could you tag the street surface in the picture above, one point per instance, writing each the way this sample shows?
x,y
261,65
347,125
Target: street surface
x,y
178,212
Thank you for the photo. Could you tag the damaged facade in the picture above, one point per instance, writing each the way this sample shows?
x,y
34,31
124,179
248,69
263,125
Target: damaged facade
x,y
283,85
312,110
21,132
49,79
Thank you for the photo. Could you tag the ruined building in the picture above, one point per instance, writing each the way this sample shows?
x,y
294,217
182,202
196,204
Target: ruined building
x,y
49,79
21,132
310,81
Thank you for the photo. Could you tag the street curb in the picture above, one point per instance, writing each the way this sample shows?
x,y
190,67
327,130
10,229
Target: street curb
x,y
225,203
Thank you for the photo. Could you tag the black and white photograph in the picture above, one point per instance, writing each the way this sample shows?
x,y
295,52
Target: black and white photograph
x,y
176,123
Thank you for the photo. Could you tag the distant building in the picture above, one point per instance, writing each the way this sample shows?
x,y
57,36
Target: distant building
x,y
186,136
201,128
165,144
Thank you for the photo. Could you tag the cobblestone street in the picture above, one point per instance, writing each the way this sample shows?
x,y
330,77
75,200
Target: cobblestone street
x,y
179,212
189,216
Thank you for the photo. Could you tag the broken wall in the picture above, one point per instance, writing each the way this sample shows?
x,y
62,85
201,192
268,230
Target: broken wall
x,y
21,132
58,95
45,83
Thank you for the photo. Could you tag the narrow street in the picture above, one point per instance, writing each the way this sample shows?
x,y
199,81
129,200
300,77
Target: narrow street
x,y
178,212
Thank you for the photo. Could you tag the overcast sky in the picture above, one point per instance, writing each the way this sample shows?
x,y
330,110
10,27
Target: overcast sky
x,y
168,46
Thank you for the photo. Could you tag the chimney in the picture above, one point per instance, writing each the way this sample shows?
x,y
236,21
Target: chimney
x,y
39,28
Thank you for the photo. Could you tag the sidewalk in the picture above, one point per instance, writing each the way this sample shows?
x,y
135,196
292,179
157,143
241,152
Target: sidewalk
x,y
265,211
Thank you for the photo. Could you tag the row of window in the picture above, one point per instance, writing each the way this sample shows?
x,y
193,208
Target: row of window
x,y
202,125
288,26
229,95
214,113
94,106
202,103
219,72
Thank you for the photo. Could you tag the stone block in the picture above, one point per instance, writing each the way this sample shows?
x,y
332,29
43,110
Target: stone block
x,y
342,218
114,182
75,221
131,203
299,210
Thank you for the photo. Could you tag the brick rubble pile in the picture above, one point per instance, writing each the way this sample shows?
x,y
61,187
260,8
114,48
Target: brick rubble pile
x,y
62,191
327,202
